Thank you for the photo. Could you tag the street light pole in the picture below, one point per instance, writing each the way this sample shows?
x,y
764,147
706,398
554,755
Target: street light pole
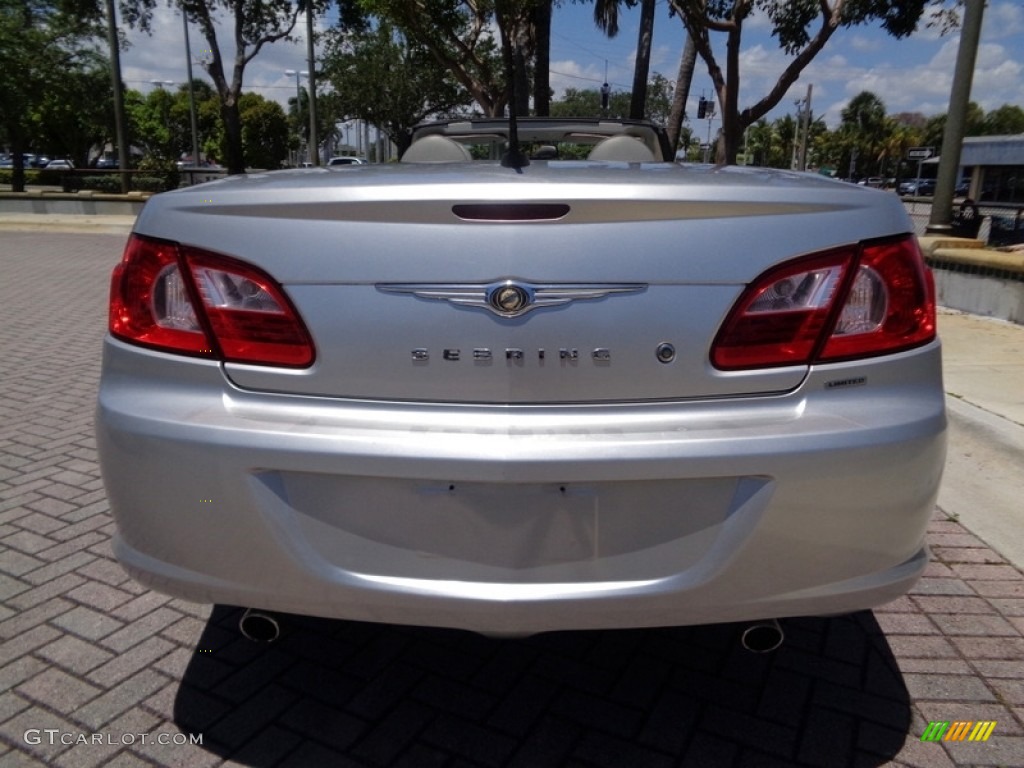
x,y
298,106
940,221
191,95
806,127
311,63
167,109
115,78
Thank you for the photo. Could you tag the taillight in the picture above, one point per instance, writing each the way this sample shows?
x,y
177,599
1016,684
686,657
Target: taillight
x,y
890,305
185,300
847,303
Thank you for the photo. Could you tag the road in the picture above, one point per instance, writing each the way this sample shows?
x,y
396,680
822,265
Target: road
x,y
93,665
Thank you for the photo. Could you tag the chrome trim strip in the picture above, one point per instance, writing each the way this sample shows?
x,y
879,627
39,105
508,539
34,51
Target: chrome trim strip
x,y
537,295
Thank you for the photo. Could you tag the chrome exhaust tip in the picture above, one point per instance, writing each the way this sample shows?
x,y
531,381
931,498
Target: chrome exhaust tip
x,y
259,627
763,636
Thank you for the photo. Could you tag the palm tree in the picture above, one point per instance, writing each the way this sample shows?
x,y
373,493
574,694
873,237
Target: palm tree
x,y
540,28
606,17
681,92
864,117
899,139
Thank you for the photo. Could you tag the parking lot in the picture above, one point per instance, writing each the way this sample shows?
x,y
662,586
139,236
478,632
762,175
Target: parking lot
x,y
97,671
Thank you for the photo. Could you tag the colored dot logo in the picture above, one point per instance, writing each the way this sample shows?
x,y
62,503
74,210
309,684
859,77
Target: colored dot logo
x,y
206,501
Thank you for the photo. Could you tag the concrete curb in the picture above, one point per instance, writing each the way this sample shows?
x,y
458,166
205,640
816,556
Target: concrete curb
x,y
971,253
72,223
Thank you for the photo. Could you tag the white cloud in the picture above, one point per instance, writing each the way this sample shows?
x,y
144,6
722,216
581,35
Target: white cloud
x,y
161,56
569,73
865,44
909,75
1003,20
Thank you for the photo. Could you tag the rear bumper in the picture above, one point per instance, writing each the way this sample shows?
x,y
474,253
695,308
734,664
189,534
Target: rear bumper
x,y
519,519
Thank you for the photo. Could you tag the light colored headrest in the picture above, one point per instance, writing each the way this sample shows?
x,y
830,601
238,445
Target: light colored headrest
x,y
436,149
623,149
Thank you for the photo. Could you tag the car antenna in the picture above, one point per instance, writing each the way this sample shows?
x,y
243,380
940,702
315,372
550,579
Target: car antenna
x,y
513,157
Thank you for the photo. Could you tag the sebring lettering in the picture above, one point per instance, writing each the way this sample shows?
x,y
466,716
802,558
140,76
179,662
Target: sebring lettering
x,y
512,355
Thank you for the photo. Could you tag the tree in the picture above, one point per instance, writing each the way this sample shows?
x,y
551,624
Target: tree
x,y
253,24
160,123
207,116
864,120
41,43
459,36
540,23
681,92
71,116
658,95
577,102
642,68
606,17
760,141
379,76
974,125
1005,120
587,102
899,138
149,123
792,23
264,131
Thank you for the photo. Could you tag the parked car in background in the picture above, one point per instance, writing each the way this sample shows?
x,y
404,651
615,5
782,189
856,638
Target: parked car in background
x,y
28,161
515,395
61,164
918,187
346,160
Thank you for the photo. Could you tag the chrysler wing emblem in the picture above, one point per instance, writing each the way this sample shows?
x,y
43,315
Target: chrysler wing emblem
x,y
511,298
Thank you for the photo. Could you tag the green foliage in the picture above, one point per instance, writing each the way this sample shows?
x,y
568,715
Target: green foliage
x,y
1003,121
802,27
109,183
7,176
255,24
868,142
586,102
264,132
73,116
392,82
154,183
42,44
459,36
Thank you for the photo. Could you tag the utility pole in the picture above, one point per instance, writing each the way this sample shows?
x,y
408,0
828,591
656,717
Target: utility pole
x,y
941,219
314,145
191,95
806,127
115,79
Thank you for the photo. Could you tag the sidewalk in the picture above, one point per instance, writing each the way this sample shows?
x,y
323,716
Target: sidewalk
x,y
983,364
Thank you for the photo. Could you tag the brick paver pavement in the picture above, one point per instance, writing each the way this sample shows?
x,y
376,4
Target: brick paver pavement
x,y
92,658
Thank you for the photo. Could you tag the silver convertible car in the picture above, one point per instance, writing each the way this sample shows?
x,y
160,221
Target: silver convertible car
x,y
601,390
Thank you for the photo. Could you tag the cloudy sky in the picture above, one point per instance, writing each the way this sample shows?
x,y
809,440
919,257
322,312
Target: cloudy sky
x,y
910,75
